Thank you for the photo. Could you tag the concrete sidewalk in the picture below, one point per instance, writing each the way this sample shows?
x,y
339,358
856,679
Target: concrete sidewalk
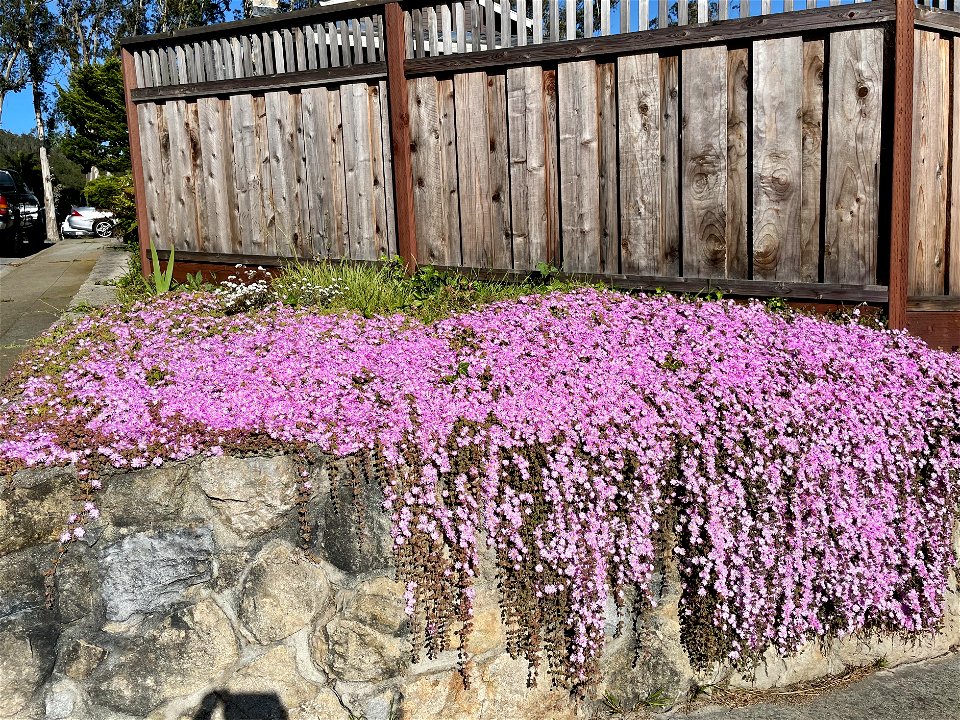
x,y
34,293
927,690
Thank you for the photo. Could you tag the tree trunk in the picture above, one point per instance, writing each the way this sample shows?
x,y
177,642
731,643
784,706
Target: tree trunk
x,y
53,234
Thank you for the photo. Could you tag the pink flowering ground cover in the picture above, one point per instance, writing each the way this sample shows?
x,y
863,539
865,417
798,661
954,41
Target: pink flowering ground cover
x,y
804,474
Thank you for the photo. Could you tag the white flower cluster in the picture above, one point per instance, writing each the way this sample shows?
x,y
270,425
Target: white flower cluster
x,y
254,289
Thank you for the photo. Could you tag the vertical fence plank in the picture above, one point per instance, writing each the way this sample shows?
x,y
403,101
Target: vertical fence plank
x,y
704,163
470,91
609,195
551,138
461,26
777,157
579,166
401,142
929,190
812,157
738,205
435,196
537,22
246,175
571,20
555,21
670,163
447,27
853,156
528,191
153,134
323,143
266,219
219,221
282,143
498,253
184,151
641,242
954,239
386,155
358,172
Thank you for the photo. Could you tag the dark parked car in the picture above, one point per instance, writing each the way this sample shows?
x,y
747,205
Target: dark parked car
x,y
21,217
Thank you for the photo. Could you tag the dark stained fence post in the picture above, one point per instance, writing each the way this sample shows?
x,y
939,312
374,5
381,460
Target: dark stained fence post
x,y
902,161
136,161
400,135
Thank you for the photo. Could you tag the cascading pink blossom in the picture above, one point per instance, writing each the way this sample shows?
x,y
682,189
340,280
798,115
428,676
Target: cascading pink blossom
x,y
808,470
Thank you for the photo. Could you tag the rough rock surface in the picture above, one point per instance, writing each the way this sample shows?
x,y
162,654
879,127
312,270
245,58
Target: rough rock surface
x,y
191,598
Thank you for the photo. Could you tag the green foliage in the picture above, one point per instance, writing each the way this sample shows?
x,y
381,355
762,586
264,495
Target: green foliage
x,y
162,281
115,192
93,106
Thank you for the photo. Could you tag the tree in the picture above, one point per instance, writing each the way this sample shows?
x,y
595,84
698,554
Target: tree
x,y
93,106
31,29
13,69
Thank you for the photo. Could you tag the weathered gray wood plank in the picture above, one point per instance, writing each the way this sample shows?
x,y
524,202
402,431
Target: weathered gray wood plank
x,y
738,118
579,166
670,163
777,158
704,162
641,241
812,160
853,159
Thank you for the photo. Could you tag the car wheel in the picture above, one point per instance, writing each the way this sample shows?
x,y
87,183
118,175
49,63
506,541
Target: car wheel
x,y
103,229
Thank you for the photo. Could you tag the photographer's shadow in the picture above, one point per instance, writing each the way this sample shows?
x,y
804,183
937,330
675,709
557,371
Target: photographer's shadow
x,y
241,706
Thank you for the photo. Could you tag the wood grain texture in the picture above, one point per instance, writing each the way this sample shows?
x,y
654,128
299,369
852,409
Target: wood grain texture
x,y
641,241
853,156
246,175
929,188
386,153
812,120
551,137
670,162
704,162
579,166
323,145
179,174
266,219
220,224
738,120
609,180
155,152
777,158
531,195
435,196
482,169
954,239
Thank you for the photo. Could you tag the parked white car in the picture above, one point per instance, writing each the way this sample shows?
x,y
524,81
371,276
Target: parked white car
x,y
88,221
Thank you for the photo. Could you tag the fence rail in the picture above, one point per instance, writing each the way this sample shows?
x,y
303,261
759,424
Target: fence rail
x,y
762,151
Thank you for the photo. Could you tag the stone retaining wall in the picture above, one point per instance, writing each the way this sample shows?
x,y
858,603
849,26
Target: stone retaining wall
x,y
192,592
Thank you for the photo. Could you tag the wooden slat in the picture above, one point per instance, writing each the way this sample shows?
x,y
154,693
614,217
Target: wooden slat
x,y
246,175
435,196
386,155
704,162
554,21
571,20
348,52
738,119
300,48
551,138
588,18
670,163
954,239
506,24
853,156
155,143
482,170
265,222
363,171
475,26
333,44
928,209
528,176
395,32
281,139
311,47
356,37
777,158
608,142
183,196
489,25
812,120
416,18
446,27
537,11
323,143
461,25
641,242
219,219
433,31
579,166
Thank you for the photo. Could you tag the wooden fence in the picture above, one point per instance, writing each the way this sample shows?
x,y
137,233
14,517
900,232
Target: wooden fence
x,y
773,151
